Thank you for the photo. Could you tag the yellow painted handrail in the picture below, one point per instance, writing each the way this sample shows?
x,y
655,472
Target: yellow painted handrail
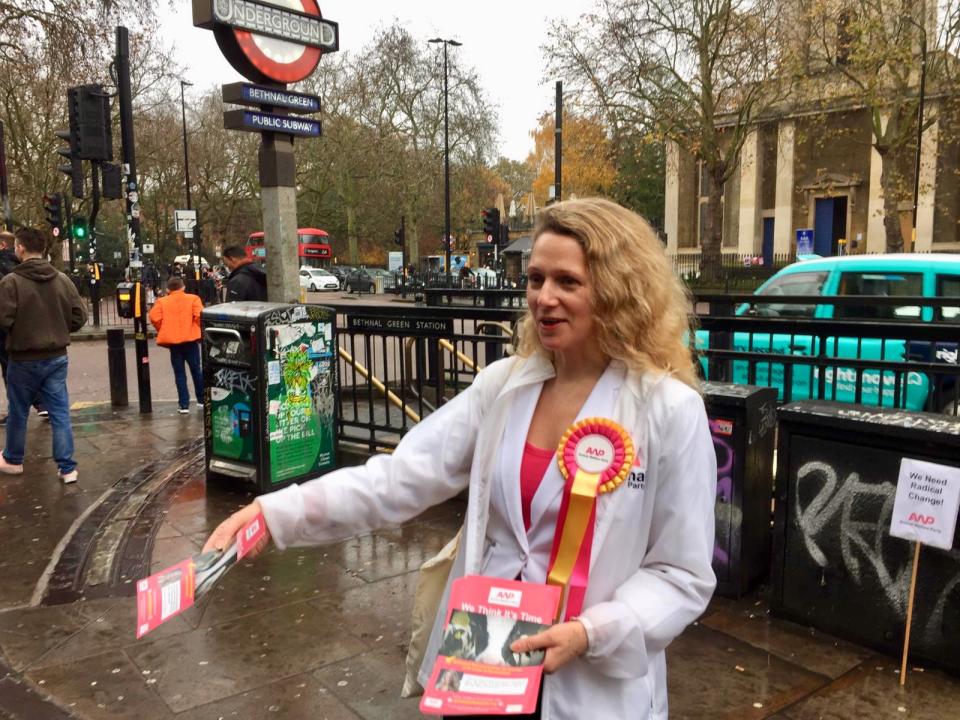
x,y
390,395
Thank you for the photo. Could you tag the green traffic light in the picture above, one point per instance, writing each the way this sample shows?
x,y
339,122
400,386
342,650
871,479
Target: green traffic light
x,y
79,229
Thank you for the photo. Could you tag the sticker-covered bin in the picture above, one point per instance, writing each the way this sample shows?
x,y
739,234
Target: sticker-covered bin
x,y
269,377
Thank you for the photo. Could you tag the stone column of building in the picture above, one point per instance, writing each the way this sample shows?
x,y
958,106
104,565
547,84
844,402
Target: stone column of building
x,y
671,202
876,235
783,212
926,204
748,240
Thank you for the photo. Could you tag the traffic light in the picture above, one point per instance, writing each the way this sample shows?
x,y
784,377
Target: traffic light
x,y
90,105
491,224
112,183
398,236
80,230
73,167
53,207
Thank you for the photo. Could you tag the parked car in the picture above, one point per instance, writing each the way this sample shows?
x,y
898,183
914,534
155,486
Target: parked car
x,y
358,280
340,272
906,274
389,278
318,279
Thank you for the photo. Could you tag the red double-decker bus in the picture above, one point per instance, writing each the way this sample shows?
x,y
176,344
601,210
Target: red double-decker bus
x,y
313,247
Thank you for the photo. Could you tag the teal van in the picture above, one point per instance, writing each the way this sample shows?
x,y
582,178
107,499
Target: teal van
x,y
906,275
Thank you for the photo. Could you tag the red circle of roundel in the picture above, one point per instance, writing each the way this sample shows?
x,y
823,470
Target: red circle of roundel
x,y
282,72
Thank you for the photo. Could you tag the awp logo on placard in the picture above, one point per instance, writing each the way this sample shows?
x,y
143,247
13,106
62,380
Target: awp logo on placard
x,y
505,597
922,519
595,452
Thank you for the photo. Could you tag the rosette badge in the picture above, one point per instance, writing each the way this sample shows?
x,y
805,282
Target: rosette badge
x,y
595,456
596,447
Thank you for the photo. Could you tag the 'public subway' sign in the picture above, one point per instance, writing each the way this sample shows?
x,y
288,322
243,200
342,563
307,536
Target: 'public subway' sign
x,y
266,122
269,40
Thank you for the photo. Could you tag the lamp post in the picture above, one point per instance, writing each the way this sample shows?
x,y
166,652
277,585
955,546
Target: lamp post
x,y
920,101
186,172
446,156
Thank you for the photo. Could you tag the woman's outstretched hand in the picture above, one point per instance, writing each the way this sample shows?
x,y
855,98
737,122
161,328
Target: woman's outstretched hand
x,y
226,531
563,642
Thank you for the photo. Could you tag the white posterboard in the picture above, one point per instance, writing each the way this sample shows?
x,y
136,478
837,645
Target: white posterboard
x,y
927,502
184,220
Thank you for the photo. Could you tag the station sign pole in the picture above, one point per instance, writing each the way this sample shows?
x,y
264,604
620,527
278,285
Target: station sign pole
x,y
272,46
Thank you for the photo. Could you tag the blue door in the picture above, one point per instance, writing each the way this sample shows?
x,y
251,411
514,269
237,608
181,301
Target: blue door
x,y
768,242
823,227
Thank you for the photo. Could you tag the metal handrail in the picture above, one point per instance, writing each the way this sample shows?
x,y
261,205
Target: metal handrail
x,y
375,381
448,346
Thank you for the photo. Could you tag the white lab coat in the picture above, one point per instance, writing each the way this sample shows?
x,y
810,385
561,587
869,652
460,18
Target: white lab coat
x,y
650,572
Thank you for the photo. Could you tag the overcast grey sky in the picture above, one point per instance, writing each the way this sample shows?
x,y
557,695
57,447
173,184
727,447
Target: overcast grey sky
x,y
501,40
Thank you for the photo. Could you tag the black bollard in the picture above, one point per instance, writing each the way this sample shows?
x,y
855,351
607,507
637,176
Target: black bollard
x,y
117,367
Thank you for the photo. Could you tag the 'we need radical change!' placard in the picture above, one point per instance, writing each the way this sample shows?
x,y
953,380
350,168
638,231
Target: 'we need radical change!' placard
x,y
928,498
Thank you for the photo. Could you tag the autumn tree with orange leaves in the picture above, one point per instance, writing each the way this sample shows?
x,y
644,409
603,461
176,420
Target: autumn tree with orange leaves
x,y
588,167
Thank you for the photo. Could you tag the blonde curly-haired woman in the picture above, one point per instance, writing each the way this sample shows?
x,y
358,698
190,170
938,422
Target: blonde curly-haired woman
x,y
604,336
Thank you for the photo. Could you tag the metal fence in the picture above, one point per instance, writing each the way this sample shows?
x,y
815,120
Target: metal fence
x,y
399,363
736,270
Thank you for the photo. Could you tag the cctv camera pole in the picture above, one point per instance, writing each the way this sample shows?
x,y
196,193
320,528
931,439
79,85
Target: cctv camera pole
x,y
135,243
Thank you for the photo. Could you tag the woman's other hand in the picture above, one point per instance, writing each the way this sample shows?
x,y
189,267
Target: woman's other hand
x,y
563,643
226,531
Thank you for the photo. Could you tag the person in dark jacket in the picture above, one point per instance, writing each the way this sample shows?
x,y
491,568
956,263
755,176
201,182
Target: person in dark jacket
x,y
39,308
246,281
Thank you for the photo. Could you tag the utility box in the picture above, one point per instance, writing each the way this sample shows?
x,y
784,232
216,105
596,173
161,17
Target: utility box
x,y
269,382
742,422
835,565
126,299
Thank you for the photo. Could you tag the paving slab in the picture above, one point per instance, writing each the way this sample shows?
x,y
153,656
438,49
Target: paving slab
x,y
713,675
107,685
873,691
208,664
300,697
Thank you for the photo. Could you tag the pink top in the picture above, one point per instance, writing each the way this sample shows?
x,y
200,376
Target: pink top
x,y
533,466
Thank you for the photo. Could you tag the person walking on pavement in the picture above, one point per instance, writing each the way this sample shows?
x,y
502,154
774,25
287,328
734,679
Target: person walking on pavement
x,y
246,281
39,308
176,316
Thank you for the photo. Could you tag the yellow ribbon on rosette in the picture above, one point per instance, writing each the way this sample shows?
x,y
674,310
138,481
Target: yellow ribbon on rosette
x,y
595,456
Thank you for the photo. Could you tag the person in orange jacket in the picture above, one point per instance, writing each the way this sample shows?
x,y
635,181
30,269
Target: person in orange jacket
x,y
176,316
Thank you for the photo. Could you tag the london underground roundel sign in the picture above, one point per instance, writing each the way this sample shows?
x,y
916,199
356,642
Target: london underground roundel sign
x,y
277,41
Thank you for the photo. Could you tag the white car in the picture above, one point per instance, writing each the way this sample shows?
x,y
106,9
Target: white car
x,y
318,279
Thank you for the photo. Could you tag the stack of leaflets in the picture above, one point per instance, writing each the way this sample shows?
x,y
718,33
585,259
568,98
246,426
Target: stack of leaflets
x,y
476,673
169,592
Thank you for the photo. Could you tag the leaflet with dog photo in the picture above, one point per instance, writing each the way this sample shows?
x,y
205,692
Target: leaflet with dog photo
x,y
476,672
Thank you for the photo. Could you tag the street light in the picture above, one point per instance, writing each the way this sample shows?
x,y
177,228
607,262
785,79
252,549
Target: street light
x,y
186,171
446,154
920,101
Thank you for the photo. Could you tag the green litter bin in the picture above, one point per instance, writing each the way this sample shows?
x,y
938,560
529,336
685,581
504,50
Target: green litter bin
x,y
268,373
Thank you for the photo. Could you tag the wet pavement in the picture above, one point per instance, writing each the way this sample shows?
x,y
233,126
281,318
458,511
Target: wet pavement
x,y
315,632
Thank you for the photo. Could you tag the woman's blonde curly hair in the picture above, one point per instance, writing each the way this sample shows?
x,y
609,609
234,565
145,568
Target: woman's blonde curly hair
x,y
644,311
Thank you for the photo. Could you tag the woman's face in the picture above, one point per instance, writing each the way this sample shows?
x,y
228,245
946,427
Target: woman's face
x,y
560,294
